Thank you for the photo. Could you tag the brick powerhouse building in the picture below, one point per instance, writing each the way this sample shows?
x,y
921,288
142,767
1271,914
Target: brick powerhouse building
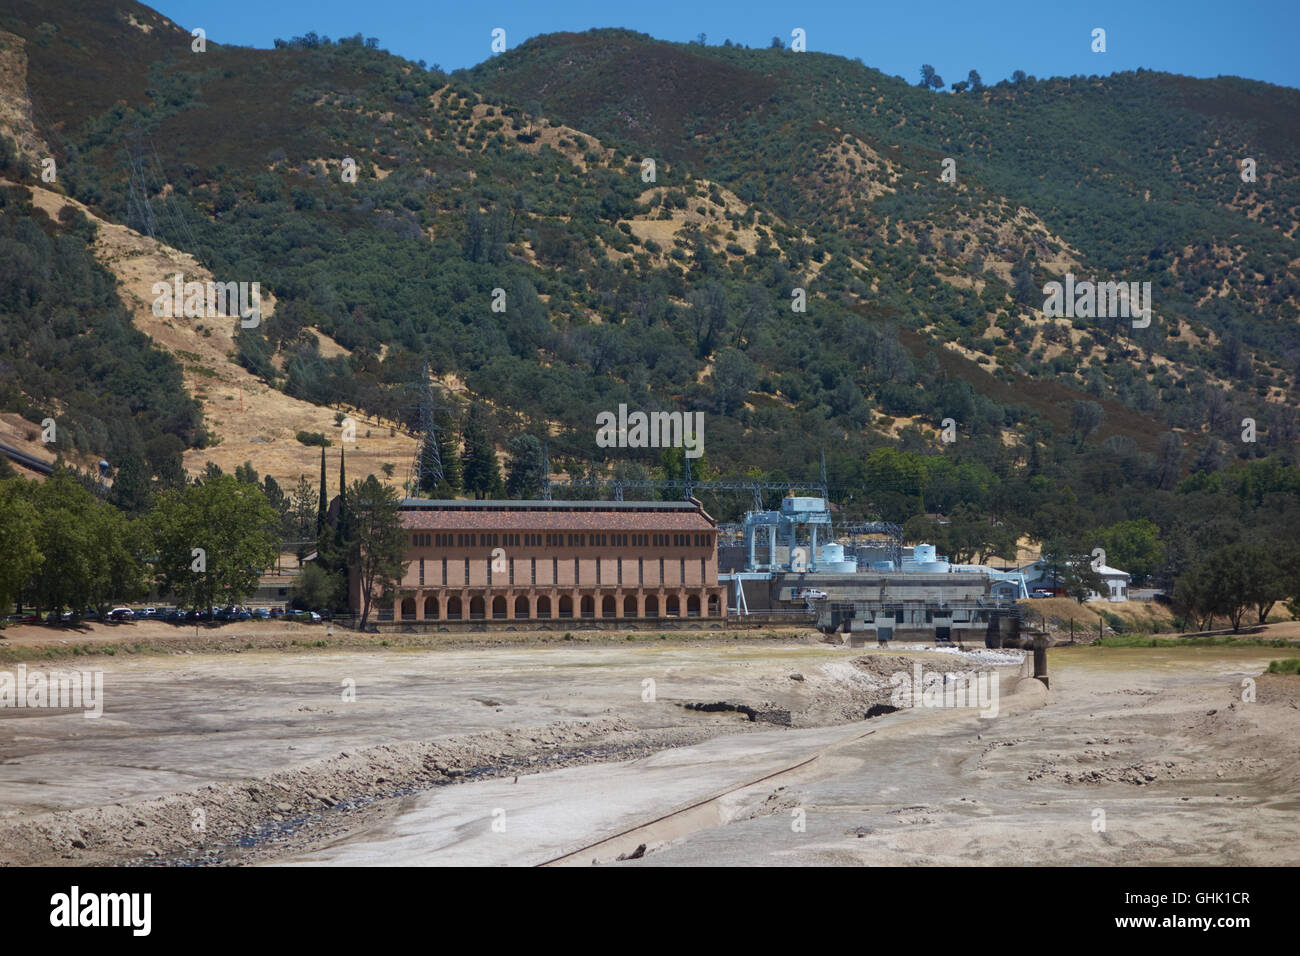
x,y
540,560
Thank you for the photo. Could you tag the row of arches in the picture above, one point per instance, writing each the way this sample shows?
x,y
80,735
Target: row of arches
x,y
477,607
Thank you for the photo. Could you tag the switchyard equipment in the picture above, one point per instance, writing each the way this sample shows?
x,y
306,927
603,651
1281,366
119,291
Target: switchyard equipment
x,y
792,564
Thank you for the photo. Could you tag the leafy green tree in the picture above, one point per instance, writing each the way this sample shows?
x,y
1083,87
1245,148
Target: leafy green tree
x,y
1134,546
92,554
64,538
479,462
1230,581
1066,566
733,378
130,491
233,528
20,557
118,547
1194,595
377,549
318,587
524,476
1085,418
1081,580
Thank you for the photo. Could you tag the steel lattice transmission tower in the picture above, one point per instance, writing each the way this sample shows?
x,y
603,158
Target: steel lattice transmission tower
x,y
426,466
139,209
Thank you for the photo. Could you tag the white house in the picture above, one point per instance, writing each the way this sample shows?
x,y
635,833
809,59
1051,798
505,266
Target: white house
x,y
1114,581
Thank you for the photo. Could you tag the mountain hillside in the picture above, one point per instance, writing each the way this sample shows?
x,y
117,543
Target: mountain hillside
x,y
502,228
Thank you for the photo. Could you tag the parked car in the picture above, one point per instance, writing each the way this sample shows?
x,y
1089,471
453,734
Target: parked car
x,y
1042,593
261,614
325,614
121,614
277,612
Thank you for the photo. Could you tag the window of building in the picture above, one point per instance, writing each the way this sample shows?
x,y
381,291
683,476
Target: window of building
x,y
640,570
620,570
422,572
533,569
467,570
682,572
661,571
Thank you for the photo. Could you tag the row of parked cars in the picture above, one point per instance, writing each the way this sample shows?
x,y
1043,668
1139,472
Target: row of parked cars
x,y
220,615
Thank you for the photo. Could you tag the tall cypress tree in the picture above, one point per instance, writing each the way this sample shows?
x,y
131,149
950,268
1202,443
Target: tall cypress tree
x,y
324,501
342,531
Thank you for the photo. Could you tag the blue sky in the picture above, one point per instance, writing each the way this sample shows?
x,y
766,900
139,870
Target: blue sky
x,y
1251,38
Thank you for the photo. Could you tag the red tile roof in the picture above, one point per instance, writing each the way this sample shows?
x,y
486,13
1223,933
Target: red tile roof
x,y
464,520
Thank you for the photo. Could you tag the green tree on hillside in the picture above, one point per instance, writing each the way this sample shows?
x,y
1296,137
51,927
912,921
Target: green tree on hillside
x,y
479,462
233,528
525,473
